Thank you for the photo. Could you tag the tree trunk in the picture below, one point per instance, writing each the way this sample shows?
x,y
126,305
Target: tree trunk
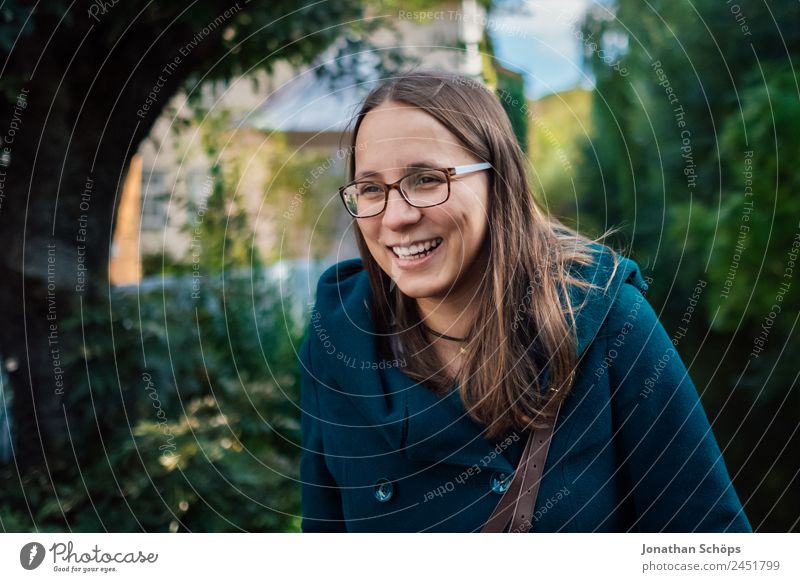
x,y
77,123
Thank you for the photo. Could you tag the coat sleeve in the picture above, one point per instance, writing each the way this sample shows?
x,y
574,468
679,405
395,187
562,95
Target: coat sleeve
x,y
676,473
320,498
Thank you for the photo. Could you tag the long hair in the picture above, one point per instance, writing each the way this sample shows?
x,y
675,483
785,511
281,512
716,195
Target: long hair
x,y
522,342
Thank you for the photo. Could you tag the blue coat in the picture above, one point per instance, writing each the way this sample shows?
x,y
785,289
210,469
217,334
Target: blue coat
x,y
632,449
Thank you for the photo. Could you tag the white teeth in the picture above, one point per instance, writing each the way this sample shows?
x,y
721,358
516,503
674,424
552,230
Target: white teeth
x,y
417,248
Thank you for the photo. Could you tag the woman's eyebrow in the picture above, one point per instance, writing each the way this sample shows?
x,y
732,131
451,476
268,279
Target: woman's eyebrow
x,y
412,166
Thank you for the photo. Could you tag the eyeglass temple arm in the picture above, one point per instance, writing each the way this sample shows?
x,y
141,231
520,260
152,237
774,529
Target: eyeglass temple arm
x,y
470,168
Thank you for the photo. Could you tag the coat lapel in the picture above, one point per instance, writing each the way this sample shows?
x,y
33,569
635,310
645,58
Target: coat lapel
x,y
407,415
410,417
438,429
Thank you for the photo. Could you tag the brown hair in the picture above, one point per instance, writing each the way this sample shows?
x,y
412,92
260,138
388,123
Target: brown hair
x,y
520,328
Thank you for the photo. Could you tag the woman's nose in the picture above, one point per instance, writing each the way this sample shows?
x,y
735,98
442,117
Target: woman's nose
x,y
398,211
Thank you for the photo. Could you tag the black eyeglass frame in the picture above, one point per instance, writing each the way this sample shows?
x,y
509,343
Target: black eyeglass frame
x,y
448,172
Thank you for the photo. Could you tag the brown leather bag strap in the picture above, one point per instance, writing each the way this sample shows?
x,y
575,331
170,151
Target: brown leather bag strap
x,y
519,501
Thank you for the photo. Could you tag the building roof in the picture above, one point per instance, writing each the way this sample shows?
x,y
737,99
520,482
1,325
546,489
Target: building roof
x,y
308,104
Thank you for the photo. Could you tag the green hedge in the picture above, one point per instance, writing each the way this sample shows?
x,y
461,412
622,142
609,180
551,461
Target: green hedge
x,y
187,419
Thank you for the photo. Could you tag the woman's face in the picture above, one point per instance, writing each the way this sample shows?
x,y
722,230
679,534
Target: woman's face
x,y
393,139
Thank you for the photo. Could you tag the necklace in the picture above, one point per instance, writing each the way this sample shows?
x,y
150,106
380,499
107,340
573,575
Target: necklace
x,y
462,349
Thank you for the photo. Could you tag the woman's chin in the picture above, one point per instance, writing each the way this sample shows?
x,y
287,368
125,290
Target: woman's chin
x,y
418,291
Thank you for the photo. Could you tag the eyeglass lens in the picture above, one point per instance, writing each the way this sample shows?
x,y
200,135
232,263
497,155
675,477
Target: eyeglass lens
x,y
421,189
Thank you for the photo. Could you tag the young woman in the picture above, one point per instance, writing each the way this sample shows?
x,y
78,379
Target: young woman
x,y
470,320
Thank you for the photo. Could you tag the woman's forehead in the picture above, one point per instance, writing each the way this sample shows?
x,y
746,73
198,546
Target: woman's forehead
x,y
401,138
391,122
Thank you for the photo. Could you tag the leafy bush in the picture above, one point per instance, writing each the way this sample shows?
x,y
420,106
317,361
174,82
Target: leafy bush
x,y
188,421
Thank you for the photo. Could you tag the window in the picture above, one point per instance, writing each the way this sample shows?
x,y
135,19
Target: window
x,y
155,199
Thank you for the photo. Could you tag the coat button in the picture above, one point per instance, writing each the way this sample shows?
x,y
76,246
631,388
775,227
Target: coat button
x,y
501,481
383,490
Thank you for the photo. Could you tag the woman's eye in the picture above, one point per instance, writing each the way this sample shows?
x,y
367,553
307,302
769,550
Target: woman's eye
x,y
427,179
370,190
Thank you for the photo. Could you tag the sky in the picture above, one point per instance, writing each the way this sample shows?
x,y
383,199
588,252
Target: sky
x,y
538,39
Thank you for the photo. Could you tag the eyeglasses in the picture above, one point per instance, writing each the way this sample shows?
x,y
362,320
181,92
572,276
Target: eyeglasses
x,y
421,189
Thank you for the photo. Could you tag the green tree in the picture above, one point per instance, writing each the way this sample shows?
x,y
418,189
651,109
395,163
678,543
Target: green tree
x,y
692,152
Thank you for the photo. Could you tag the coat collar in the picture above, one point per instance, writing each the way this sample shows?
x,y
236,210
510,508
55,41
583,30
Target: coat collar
x,y
407,415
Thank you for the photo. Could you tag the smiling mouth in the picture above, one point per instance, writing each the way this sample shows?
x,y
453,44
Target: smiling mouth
x,y
417,251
